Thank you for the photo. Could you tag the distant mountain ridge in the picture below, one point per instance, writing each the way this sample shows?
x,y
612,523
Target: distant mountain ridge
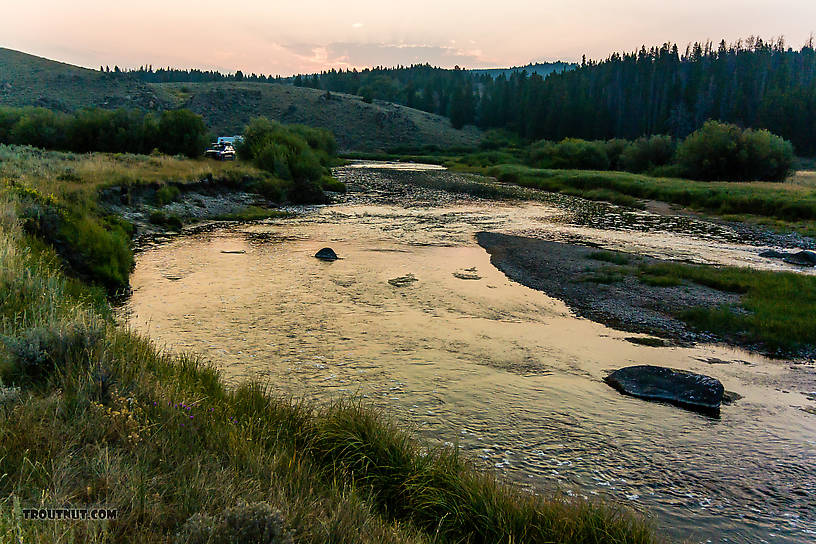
x,y
28,80
541,68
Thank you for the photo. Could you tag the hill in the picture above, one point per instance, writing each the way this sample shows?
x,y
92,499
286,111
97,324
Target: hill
x,y
357,125
28,80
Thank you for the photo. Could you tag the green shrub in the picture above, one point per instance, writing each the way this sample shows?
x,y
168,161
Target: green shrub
x,y
319,139
647,153
170,221
97,249
37,352
614,149
95,129
256,523
115,131
331,184
8,118
305,166
721,151
570,154
301,155
487,158
307,192
182,132
42,128
499,138
166,194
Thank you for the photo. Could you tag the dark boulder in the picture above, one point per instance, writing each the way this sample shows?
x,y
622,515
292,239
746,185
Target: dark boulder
x,y
679,387
773,254
803,258
327,254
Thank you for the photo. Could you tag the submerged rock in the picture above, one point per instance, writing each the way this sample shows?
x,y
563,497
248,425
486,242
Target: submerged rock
x,y
682,388
467,274
402,281
729,397
327,254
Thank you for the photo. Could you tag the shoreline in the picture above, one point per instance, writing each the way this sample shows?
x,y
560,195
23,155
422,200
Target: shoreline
x,y
621,290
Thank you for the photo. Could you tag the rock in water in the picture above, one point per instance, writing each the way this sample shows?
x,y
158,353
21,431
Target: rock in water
x,y
773,254
402,281
803,258
327,254
685,389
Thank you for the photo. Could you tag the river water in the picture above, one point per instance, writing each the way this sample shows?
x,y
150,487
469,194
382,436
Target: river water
x,y
466,356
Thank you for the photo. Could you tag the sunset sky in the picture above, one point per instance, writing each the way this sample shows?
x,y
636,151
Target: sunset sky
x,y
274,37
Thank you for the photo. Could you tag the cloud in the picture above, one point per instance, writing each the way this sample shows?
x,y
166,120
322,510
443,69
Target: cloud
x,y
360,55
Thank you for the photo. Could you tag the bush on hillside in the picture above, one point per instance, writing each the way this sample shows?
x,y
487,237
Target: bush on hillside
x,y
722,151
97,249
247,523
38,351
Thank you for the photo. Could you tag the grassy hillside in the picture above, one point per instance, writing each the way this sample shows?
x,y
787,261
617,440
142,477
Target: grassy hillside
x,y
27,80
358,126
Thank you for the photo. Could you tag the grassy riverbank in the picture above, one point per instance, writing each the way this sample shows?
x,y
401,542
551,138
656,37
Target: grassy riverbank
x,y
775,310
788,205
92,414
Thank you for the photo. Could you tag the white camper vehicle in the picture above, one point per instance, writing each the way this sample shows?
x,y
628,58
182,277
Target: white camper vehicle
x,y
232,140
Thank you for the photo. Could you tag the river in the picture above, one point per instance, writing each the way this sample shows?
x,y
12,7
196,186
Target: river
x,y
468,357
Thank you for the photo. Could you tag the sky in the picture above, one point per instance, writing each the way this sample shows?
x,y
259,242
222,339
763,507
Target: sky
x,y
284,37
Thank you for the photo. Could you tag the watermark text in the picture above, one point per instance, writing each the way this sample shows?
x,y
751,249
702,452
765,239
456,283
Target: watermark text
x,y
91,514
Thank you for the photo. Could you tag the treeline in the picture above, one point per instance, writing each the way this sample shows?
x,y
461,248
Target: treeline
x,y
176,75
716,151
661,90
173,132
